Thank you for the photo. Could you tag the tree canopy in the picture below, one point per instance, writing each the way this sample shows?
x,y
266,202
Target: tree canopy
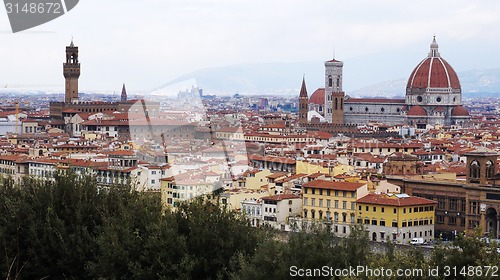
x,y
72,229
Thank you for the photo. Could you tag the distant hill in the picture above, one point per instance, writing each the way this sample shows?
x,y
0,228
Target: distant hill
x,y
285,78
478,82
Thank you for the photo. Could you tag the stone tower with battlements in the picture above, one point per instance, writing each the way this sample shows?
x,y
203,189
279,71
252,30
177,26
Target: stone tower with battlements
x,y
71,72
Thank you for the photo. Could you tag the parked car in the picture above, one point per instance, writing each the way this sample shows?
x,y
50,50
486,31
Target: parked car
x,y
417,241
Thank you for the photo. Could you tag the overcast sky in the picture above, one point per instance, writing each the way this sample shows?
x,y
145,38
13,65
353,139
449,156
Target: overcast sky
x,y
150,42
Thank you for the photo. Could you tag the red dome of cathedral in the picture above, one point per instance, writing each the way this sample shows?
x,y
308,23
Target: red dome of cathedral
x,y
433,72
459,111
318,97
417,111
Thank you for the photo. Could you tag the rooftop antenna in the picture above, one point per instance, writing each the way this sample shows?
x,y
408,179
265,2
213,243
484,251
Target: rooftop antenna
x,y
333,53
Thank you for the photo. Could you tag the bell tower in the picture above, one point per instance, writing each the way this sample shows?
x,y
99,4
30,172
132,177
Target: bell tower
x,y
334,96
303,103
482,166
71,72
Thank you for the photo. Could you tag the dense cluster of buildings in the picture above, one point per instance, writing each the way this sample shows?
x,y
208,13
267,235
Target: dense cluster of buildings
x,y
422,167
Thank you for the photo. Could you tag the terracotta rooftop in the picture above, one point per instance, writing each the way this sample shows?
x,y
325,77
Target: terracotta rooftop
x,y
280,197
393,200
342,186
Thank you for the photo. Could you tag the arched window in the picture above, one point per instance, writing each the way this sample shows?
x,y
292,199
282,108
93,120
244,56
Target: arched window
x,y
475,170
341,103
490,170
338,81
336,103
330,81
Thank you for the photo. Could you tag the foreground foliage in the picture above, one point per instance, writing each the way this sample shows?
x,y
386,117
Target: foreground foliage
x,y
71,229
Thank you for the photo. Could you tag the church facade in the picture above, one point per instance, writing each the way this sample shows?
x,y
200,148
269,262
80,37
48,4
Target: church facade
x,y
433,97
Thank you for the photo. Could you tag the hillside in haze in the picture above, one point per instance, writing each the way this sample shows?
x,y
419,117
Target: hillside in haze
x,y
285,79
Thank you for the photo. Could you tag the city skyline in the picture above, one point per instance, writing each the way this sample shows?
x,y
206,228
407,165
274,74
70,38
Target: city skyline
x,y
167,40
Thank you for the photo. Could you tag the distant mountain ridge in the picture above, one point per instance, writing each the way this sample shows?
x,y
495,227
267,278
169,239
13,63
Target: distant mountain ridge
x,y
476,82
284,79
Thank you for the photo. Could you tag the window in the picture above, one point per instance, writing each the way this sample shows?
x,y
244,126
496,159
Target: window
x,y
336,204
439,219
359,208
313,191
344,193
394,210
394,224
403,224
366,208
353,205
344,204
305,201
336,193
410,223
328,202
453,204
374,209
473,207
382,210
374,222
452,220
382,223
313,201
321,203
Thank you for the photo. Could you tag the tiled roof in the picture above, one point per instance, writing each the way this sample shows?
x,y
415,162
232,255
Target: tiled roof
x,y
383,199
279,197
342,186
375,100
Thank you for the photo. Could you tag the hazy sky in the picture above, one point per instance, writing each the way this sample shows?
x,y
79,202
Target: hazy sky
x,y
149,42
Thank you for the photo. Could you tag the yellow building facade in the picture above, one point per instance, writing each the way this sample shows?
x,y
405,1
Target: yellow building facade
x,y
332,203
396,217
